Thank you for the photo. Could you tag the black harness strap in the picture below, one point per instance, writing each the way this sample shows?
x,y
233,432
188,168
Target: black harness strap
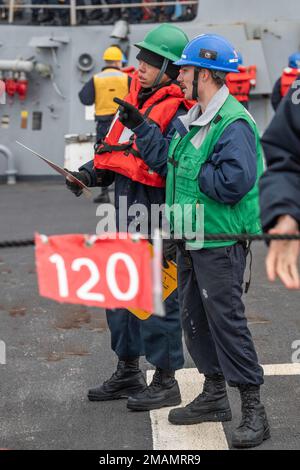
x,y
195,84
103,147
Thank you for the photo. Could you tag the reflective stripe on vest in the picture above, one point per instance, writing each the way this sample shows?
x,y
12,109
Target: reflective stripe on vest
x,y
287,78
119,152
108,84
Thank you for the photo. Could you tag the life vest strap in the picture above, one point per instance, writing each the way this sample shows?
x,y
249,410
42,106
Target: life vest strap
x,y
103,147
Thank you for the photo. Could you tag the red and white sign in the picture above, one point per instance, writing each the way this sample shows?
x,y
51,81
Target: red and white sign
x,y
110,273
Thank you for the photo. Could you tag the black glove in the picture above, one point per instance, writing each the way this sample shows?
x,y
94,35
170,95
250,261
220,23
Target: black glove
x,y
80,175
169,252
128,114
104,177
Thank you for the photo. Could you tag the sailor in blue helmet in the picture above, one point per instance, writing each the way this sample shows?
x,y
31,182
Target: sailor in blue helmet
x,y
288,76
215,160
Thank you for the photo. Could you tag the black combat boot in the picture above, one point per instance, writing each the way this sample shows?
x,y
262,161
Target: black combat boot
x,y
211,405
127,380
254,427
163,391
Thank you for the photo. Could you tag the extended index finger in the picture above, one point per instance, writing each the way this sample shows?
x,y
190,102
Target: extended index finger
x,y
120,102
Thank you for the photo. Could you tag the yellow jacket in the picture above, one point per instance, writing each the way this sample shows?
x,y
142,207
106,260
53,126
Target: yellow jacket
x,y
109,83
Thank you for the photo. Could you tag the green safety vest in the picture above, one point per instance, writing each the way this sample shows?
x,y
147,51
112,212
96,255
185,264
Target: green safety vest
x,y
182,187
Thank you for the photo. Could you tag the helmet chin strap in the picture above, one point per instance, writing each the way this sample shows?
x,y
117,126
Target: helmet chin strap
x,y
161,73
195,84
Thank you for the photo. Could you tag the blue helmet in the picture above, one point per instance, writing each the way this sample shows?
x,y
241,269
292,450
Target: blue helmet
x,y
294,60
240,59
210,51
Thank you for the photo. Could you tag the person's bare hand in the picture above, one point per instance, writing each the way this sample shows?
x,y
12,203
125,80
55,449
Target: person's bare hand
x,y
282,258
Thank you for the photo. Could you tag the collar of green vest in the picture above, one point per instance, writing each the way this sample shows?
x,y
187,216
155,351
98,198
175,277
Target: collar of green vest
x,y
194,116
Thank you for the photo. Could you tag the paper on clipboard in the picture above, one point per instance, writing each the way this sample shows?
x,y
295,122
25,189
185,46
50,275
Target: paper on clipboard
x,y
86,191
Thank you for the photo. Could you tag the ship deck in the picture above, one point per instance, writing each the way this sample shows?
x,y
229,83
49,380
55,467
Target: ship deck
x,y
55,352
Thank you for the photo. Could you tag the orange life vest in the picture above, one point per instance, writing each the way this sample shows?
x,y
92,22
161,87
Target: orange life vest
x,y
240,84
118,151
288,76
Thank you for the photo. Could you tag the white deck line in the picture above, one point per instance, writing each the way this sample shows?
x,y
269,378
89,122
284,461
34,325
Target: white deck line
x,y
204,436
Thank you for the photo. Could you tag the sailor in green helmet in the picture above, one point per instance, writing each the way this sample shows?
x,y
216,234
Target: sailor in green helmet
x,y
215,161
133,155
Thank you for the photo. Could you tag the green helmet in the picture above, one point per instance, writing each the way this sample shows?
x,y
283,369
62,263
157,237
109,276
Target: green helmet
x,y
165,40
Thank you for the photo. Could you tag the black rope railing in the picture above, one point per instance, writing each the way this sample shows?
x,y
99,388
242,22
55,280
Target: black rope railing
x,y
16,243
208,237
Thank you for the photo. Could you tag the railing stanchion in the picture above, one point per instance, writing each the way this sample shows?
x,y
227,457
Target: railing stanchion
x,y
11,11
